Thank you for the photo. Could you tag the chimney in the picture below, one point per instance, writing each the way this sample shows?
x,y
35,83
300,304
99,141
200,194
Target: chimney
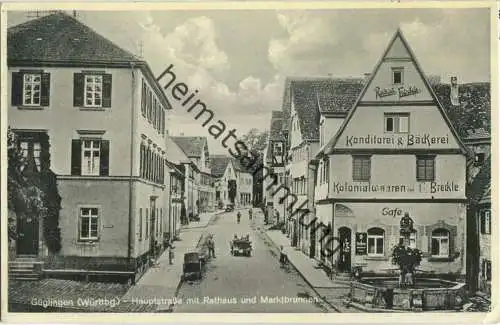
x,y
367,76
454,91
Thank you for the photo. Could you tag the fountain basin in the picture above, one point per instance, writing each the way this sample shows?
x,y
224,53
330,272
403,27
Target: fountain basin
x,y
427,294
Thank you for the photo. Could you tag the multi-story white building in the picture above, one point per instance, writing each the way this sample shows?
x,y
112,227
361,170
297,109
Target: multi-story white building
x,y
103,113
395,153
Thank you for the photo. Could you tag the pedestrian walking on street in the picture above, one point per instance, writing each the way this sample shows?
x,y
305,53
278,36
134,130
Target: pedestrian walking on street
x,y
171,254
211,247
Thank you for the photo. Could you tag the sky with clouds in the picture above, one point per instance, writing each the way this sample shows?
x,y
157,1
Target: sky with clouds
x,y
239,59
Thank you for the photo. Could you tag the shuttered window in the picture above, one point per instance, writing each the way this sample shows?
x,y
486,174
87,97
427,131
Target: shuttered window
x,y
92,90
90,157
30,89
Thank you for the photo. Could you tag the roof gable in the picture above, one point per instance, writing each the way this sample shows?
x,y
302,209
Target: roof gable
x,y
401,52
193,147
61,38
174,153
218,165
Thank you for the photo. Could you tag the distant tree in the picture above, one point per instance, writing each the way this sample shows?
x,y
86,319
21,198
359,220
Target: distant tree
x,y
256,142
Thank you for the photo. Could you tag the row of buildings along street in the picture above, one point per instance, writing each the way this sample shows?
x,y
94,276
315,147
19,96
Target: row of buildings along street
x,y
378,188
126,186
352,158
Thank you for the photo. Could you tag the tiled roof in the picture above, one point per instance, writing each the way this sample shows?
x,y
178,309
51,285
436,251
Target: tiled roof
x,y
174,153
474,110
481,184
192,146
59,37
474,134
218,164
312,96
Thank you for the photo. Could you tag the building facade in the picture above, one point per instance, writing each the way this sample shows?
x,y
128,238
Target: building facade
x,y
409,162
108,155
200,185
274,163
479,210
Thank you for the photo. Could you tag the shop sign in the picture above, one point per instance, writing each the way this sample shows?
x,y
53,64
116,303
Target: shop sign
x,y
393,212
396,140
431,188
361,243
400,92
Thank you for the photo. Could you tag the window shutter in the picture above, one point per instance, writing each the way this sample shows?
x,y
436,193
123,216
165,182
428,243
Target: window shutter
x,y
17,89
106,90
45,90
78,89
76,157
104,170
483,222
451,247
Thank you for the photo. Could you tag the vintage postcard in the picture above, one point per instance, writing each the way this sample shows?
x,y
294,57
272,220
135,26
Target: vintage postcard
x,y
222,161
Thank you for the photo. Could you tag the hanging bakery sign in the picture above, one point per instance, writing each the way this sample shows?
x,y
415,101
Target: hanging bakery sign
x,y
399,92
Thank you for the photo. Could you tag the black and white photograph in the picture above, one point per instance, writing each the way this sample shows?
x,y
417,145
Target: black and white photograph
x,y
267,159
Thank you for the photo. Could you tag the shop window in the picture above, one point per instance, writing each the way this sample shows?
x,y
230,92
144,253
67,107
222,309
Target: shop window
x,y
361,168
426,168
486,222
375,241
413,240
440,243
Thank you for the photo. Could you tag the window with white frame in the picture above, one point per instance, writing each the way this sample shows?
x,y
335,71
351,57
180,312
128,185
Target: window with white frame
x,y
32,89
413,239
93,91
440,243
89,224
396,122
375,241
91,157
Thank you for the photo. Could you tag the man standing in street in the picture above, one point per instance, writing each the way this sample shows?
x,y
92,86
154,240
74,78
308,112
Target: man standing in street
x,y
211,247
170,254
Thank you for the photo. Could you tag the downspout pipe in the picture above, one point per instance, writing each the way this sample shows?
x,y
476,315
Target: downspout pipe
x,y
132,155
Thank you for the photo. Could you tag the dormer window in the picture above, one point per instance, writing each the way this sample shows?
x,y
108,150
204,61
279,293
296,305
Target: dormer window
x,y
397,76
478,159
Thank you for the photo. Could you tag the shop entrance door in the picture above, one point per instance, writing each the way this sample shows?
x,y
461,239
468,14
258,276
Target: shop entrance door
x,y
344,263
